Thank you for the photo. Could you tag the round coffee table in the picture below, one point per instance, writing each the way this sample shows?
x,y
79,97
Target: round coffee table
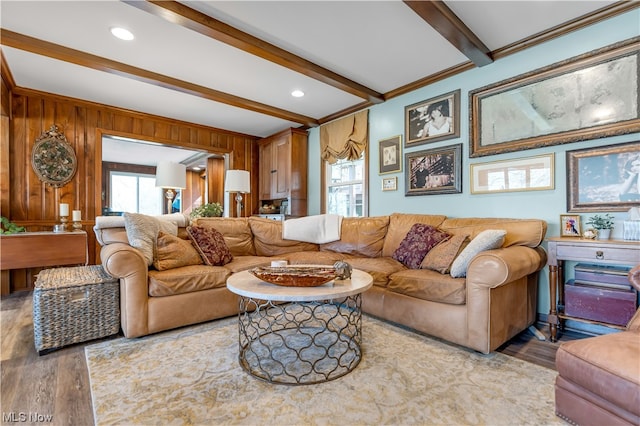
x,y
299,335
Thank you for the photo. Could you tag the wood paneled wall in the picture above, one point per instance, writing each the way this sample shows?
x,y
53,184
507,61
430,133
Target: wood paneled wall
x,y
29,202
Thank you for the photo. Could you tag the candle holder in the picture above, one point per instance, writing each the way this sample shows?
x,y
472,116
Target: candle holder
x,y
62,227
77,225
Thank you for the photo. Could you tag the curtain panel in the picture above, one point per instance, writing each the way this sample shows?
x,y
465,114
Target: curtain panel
x,y
345,138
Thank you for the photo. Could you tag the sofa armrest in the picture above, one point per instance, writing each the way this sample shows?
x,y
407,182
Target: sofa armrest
x,y
493,268
129,265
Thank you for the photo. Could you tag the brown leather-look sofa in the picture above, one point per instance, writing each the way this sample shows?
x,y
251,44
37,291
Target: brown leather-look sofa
x,y
598,379
496,300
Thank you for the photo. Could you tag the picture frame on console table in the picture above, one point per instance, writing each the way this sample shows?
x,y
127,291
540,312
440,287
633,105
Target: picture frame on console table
x,y
432,120
604,179
434,171
390,155
534,173
586,97
570,225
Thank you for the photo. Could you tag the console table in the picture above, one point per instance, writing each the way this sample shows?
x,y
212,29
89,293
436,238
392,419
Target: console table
x,y
560,249
41,249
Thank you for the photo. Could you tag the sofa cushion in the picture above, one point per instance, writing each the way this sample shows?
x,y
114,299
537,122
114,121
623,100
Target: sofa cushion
x,y
243,263
236,231
360,236
187,280
142,231
173,252
380,268
521,232
267,238
399,225
210,244
486,240
429,285
441,257
312,257
416,244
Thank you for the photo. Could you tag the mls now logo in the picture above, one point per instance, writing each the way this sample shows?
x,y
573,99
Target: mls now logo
x,y
20,417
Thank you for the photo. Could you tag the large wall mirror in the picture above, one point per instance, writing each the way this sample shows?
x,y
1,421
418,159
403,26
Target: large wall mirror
x,y
129,171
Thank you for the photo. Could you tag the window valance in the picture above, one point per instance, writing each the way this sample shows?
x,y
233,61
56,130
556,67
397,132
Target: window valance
x,y
345,138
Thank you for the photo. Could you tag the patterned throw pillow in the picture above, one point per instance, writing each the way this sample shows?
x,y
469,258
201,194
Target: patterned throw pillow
x,y
416,244
173,252
142,231
211,245
486,240
441,257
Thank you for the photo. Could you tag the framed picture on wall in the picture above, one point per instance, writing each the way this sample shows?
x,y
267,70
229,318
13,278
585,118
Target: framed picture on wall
x,y
434,171
604,179
433,120
570,225
390,155
390,183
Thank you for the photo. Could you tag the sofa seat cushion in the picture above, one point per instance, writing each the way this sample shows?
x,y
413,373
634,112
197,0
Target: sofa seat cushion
x,y
380,268
429,285
236,231
187,280
360,236
267,238
243,263
607,366
312,258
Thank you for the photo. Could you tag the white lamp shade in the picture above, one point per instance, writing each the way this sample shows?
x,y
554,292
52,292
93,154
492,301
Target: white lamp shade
x,y
171,175
237,181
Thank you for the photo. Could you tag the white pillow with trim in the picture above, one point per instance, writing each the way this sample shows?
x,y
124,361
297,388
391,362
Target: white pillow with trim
x,y
486,240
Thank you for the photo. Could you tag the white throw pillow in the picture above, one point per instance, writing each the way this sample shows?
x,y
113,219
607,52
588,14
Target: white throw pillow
x,y
486,240
142,232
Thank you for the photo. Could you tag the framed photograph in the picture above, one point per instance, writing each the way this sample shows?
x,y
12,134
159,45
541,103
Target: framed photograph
x,y
433,120
586,97
434,171
390,183
520,174
570,225
603,179
390,155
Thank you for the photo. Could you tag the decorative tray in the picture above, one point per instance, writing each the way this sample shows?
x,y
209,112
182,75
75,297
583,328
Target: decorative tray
x,y
295,276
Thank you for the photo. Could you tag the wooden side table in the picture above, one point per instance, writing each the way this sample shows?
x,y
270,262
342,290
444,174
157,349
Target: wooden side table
x,y
41,249
560,249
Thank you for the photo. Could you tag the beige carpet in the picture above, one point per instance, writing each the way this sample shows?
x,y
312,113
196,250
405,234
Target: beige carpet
x,y
192,376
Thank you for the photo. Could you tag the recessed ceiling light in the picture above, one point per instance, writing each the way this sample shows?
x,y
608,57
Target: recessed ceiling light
x,y
121,33
297,93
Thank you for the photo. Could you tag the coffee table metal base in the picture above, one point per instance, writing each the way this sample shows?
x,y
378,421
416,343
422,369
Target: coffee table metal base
x,y
300,343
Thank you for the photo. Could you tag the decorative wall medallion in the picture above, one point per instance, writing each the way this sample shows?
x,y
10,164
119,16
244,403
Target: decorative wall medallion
x,y
53,159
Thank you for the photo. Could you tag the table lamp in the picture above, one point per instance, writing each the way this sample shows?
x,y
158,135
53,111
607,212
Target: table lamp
x,y
171,176
238,181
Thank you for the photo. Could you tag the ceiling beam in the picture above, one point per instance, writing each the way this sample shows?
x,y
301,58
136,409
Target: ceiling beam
x,y
439,16
179,14
61,53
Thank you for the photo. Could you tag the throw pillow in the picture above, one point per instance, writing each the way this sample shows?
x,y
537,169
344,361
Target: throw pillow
x,y
486,240
416,244
173,252
211,245
442,256
142,231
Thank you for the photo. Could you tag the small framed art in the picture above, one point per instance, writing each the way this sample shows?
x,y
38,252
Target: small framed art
x,y
433,120
570,225
390,183
390,155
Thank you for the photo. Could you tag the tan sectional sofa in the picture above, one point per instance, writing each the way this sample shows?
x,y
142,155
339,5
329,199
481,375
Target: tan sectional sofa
x,y
495,301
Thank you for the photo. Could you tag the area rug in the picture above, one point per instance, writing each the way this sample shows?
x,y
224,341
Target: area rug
x,y
192,376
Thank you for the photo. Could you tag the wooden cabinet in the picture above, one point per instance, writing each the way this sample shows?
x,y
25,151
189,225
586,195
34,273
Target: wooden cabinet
x,y
606,252
283,170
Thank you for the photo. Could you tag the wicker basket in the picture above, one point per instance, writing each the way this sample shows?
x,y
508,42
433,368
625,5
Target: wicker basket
x,y
72,305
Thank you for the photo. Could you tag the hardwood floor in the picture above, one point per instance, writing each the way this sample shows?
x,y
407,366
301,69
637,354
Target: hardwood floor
x,y
57,384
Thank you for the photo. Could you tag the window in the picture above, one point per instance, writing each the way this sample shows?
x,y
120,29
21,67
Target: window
x,y
345,188
135,192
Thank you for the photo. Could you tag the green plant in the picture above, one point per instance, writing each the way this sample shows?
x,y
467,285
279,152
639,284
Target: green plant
x,y
599,221
9,227
207,210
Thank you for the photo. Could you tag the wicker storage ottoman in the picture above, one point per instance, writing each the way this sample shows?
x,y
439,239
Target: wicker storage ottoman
x,y
72,305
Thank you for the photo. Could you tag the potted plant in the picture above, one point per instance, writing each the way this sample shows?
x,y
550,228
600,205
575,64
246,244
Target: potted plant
x,y
207,210
603,224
